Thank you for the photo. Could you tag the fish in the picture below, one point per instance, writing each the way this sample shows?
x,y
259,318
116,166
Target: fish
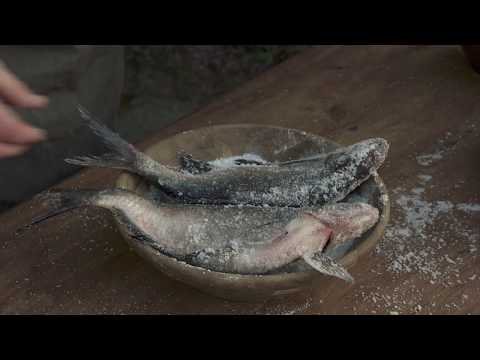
x,y
226,238
316,181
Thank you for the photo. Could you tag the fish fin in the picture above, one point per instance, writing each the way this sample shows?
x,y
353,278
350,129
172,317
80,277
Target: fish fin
x,y
123,156
326,265
242,161
303,160
191,165
137,235
195,166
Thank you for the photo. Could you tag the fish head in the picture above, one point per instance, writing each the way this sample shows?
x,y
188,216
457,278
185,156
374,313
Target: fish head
x,y
360,158
347,221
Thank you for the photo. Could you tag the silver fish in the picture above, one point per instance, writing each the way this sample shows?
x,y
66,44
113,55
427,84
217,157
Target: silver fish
x,y
311,182
231,239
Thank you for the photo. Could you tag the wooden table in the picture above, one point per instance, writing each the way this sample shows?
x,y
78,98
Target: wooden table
x,y
424,100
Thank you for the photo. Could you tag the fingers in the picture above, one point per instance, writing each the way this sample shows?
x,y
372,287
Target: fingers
x,y
15,131
7,150
16,135
16,92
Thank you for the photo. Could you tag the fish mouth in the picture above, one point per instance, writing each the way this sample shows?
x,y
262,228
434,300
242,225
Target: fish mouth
x,y
368,155
378,147
365,155
348,221
382,148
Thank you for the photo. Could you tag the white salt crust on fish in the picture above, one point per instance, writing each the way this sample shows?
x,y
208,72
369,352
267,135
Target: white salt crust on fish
x,y
196,166
315,181
231,239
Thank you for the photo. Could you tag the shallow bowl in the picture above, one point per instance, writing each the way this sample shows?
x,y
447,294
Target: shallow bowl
x,y
273,144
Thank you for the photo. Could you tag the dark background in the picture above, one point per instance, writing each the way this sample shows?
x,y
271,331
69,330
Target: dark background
x,y
163,83
135,90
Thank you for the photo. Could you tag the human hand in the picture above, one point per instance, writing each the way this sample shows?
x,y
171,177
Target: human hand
x,y
16,136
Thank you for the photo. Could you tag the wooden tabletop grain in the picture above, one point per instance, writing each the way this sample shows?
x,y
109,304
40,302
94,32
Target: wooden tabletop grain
x,y
425,100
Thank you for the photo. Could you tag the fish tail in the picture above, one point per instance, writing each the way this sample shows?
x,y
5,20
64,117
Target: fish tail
x,y
62,201
105,161
123,155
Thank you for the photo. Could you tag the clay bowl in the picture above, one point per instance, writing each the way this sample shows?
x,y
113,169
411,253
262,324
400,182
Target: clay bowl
x,y
272,143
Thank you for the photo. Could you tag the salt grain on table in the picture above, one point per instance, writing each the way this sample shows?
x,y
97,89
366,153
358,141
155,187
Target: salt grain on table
x,y
407,244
